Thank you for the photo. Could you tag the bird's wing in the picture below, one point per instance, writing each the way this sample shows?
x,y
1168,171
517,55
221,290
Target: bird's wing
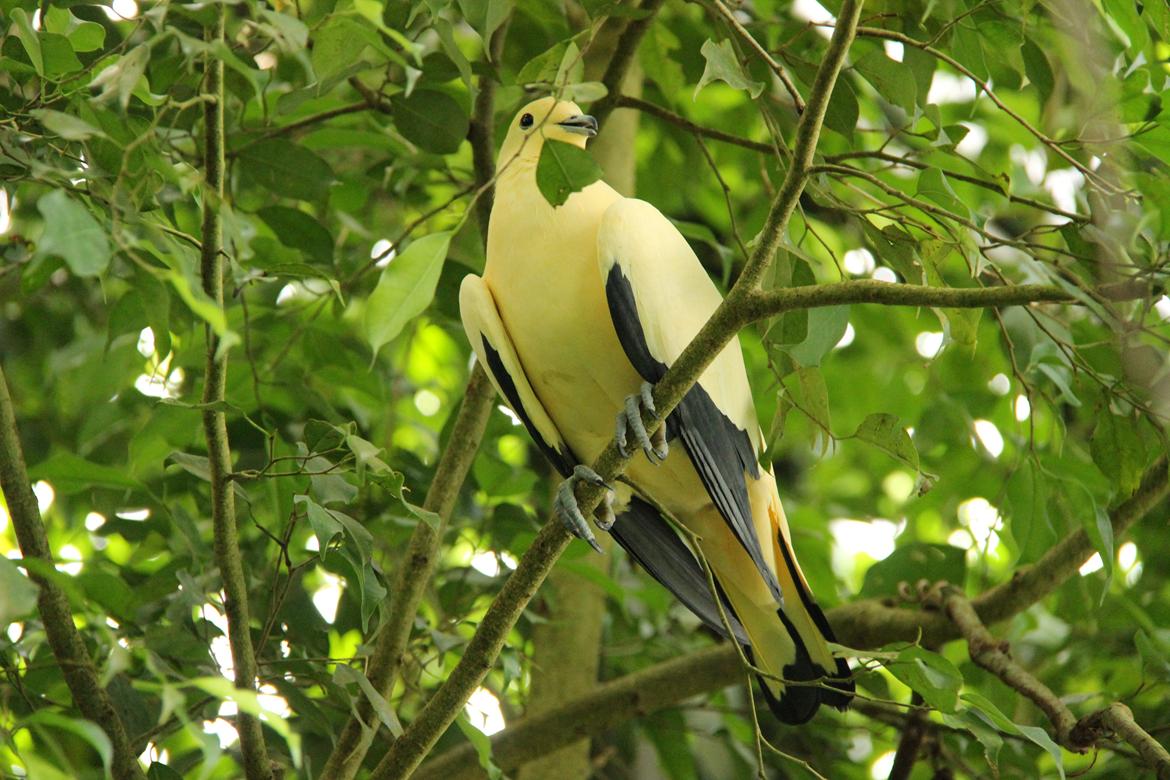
x,y
659,297
493,347
650,541
640,529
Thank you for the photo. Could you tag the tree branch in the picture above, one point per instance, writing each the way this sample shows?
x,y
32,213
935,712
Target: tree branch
x,y
52,604
914,728
763,304
422,554
992,654
623,55
864,624
1117,719
223,507
481,652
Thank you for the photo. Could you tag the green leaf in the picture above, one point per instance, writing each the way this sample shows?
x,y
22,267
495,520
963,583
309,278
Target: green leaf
x,y
120,78
1027,505
933,186
722,65
886,432
930,675
72,234
299,230
29,39
826,326
87,730
58,55
1099,527
1153,653
485,15
345,674
813,401
18,594
482,744
431,120
984,708
287,169
405,289
337,44
326,527
564,169
893,80
1117,450
69,127
913,562
1037,69
69,473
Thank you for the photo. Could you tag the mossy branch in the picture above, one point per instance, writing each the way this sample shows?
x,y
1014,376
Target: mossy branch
x,y
481,653
223,508
52,604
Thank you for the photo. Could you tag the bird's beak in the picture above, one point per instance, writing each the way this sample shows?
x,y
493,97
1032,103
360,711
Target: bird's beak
x,y
582,124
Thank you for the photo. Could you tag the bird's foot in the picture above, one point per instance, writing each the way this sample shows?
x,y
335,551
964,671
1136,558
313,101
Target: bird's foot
x,y
569,511
629,420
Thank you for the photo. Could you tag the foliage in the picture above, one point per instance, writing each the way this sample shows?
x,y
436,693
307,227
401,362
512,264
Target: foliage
x,y
968,144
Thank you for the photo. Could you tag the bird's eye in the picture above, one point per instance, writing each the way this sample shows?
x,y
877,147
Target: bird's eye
x,y
526,121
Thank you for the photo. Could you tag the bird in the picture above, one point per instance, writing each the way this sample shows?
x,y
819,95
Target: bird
x,y
579,310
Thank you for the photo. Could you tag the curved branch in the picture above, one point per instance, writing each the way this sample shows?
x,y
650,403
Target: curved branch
x,y
481,652
223,506
52,604
751,41
623,55
1117,720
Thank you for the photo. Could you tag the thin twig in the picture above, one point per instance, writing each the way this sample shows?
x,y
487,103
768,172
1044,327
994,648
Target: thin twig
x,y
223,507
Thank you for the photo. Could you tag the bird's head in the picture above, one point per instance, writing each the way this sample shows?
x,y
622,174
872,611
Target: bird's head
x,y
546,118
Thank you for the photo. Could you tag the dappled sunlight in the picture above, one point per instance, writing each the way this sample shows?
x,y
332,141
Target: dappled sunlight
x,y
928,343
45,495
989,436
859,262
880,768
857,543
1000,384
483,711
327,596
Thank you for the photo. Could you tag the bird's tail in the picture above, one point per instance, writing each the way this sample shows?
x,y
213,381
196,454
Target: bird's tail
x,y
790,642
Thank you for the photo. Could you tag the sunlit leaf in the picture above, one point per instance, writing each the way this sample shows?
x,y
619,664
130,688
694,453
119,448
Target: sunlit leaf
x,y
405,288
722,65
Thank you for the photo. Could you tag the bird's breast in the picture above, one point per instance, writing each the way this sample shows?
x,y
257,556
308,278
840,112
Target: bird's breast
x,y
543,272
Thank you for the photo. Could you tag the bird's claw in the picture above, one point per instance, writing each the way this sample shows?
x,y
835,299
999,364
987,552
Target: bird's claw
x,y
629,419
569,511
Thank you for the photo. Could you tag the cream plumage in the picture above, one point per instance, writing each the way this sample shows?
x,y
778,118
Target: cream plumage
x,y
581,306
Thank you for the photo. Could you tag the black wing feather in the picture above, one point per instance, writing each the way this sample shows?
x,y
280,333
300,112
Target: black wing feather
x,y
649,540
720,450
